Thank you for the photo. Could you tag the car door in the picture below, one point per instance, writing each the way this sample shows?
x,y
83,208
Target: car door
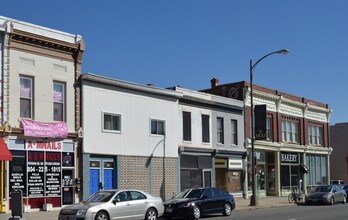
x,y
122,208
207,201
337,194
219,199
139,204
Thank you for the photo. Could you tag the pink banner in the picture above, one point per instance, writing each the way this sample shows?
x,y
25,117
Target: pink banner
x,y
45,129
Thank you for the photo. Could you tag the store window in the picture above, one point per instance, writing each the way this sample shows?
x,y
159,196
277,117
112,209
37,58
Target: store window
x,y
318,171
289,170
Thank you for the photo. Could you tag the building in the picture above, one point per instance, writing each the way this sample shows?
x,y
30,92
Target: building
x,y
39,113
339,156
297,146
130,136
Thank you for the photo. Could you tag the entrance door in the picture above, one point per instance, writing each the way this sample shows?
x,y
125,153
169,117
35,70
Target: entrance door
x,y
108,179
207,178
94,176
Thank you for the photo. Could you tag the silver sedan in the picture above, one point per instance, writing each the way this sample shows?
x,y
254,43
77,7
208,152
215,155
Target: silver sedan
x,y
115,204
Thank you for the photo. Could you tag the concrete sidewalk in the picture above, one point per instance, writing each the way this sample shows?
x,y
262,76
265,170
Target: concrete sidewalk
x,y
241,204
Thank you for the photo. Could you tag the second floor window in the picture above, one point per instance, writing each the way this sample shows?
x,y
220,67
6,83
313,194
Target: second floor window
x,y
269,128
205,129
234,132
186,118
220,130
157,127
289,131
315,136
26,97
111,122
58,101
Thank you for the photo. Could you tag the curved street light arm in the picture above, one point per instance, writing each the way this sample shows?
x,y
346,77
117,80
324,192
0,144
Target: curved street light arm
x,y
283,51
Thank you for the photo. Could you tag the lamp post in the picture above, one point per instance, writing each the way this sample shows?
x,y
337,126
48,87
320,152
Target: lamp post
x,y
253,199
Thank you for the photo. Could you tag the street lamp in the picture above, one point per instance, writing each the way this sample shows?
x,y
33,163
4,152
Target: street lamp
x,y
253,199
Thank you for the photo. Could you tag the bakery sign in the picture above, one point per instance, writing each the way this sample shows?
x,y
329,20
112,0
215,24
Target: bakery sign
x,y
289,157
44,145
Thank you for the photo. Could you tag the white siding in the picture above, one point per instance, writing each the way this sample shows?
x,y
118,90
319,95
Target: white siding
x,y
136,110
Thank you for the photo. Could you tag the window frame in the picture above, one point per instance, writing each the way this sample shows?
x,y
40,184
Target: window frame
x,y
290,131
269,130
157,122
205,128
186,126
63,103
31,97
119,116
315,135
234,132
220,132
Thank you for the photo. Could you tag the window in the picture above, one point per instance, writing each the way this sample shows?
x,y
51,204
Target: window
x,y
157,127
58,101
205,129
220,130
234,132
26,97
111,122
315,136
289,131
269,128
186,117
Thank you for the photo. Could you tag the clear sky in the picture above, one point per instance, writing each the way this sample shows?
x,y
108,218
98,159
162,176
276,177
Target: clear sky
x,y
189,42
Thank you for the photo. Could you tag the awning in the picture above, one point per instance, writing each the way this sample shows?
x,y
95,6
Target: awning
x,y
5,154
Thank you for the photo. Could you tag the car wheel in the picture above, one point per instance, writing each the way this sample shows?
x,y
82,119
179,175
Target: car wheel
x,y
196,212
151,214
102,216
227,209
332,201
344,200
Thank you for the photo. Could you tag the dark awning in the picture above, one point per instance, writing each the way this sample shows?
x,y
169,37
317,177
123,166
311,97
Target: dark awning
x,y
5,154
303,168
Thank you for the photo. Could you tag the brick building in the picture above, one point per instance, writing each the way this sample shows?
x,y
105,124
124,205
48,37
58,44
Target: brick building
x,y
339,156
297,149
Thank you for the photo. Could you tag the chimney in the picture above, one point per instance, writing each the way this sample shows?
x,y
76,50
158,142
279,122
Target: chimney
x,y
214,82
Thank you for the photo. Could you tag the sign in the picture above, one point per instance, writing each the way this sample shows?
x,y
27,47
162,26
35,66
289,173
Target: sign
x,y
44,129
53,173
44,145
35,171
289,157
260,122
18,174
235,164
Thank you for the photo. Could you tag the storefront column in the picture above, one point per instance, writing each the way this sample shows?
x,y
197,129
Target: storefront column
x,y
277,161
328,169
304,175
245,173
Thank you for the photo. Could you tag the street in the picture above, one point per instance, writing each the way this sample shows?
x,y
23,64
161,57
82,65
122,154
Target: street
x,y
315,212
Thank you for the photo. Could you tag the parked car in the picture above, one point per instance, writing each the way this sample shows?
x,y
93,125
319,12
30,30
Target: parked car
x,y
345,188
115,204
327,194
195,202
336,182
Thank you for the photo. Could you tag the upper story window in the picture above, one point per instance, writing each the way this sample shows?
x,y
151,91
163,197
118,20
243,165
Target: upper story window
x,y
26,97
220,130
315,135
205,129
186,118
289,131
157,127
269,131
111,122
58,101
234,132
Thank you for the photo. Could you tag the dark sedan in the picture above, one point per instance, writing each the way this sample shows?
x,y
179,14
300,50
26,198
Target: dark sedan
x,y
327,194
345,188
193,203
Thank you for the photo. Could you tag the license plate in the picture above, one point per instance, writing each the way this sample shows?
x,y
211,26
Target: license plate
x,y
169,210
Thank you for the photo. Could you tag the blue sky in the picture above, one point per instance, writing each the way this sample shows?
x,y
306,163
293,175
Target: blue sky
x,y
188,42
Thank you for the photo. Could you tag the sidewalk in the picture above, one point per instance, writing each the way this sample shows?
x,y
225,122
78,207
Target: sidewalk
x,y
241,204
263,202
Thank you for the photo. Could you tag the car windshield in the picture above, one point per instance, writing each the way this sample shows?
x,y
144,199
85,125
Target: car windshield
x,y
103,196
323,189
189,193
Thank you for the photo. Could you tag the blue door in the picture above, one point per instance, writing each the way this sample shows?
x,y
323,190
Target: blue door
x,y
94,181
108,179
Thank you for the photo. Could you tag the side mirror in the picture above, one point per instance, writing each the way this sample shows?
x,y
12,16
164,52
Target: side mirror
x,y
116,201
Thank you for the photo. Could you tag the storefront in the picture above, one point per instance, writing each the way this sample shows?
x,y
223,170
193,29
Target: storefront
x,y
102,173
230,175
44,170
